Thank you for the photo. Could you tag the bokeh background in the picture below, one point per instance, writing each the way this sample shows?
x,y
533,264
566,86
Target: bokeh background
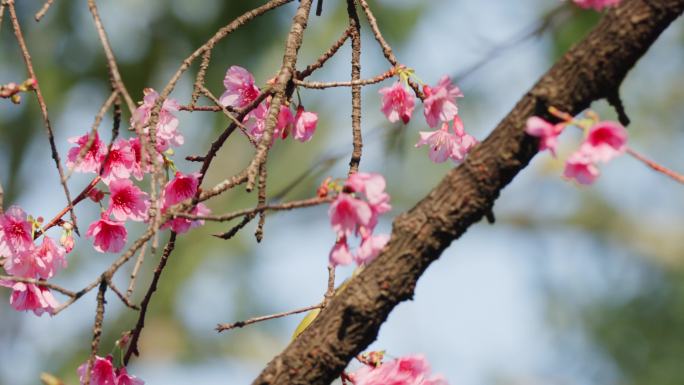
x,y
571,286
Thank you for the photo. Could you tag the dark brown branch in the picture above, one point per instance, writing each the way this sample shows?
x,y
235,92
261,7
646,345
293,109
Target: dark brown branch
x,y
357,139
135,333
352,320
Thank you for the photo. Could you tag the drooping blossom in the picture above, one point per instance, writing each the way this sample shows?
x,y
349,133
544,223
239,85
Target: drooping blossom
x,y
42,262
182,225
119,163
67,241
180,188
445,145
167,134
410,370
305,124
580,166
370,248
440,102
141,166
545,131
93,155
103,372
340,254
397,103
240,88
596,4
108,236
127,201
255,121
605,141
355,211
465,141
16,233
27,296
347,214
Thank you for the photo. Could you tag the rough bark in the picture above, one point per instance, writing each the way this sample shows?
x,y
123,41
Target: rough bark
x,y
591,70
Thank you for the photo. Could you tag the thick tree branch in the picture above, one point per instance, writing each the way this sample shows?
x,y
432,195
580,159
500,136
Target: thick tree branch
x,y
589,71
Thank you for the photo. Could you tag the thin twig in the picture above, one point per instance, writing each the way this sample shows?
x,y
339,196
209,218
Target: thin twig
x,y
135,333
117,82
43,10
657,167
356,89
122,297
39,282
239,324
354,83
386,49
325,56
43,107
255,210
57,219
226,112
2,198
97,329
330,292
259,234
234,230
199,81
134,274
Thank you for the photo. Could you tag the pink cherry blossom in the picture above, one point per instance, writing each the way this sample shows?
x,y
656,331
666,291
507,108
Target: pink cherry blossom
x,y
285,122
126,379
104,373
94,156
127,201
340,255
372,185
596,4
182,225
305,124
108,236
545,131
347,214
119,163
605,141
410,370
443,144
370,248
465,141
440,102
43,262
255,121
27,296
180,188
397,103
16,233
580,167
240,88
167,133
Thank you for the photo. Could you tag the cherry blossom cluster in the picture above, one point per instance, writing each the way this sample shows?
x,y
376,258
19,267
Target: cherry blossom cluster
x,y
26,259
603,141
408,370
596,4
123,160
361,199
241,91
449,140
103,372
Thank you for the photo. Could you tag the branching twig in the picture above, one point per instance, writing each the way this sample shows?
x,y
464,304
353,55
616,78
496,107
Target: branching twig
x,y
239,324
43,10
122,297
43,107
306,72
